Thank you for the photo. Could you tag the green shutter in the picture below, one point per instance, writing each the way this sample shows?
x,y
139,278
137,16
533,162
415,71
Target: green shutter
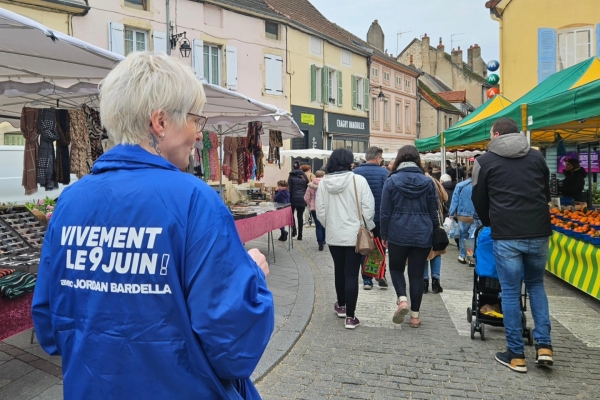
x,y
325,85
313,83
340,85
367,97
354,92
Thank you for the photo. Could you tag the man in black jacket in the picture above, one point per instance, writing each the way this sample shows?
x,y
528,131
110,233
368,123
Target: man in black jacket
x,y
511,193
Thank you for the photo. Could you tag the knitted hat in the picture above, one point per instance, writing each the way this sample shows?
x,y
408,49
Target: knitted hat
x,y
445,178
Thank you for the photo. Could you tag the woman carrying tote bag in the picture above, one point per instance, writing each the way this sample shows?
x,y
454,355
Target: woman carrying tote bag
x,y
409,215
336,207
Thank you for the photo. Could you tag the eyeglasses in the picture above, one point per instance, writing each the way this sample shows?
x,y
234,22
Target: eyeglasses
x,y
200,122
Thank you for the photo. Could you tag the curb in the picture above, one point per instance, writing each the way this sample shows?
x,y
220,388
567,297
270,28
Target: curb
x,y
282,342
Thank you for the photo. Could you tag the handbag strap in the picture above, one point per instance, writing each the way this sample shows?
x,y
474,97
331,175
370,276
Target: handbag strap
x,y
360,217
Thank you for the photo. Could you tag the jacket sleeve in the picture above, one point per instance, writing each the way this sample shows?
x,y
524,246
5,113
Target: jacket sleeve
x,y
40,309
231,310
308,195
433,205
386,209
455,201
320,207
367,204
480,196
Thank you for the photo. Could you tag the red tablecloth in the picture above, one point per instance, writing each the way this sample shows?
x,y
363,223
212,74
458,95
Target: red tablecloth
x,y
253,228
15,315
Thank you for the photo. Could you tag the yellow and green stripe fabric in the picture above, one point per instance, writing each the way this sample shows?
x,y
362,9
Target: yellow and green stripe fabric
x,y
575,262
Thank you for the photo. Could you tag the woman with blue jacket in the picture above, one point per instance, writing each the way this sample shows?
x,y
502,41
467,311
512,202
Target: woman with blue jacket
x,y
409,212
463,210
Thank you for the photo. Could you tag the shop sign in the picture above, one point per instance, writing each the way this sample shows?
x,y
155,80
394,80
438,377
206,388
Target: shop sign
x,y
341,123
583,161
346,124
308,119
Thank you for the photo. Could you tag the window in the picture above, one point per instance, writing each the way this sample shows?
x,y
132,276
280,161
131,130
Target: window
x,y
573,47
272,30
135,40
212,64
398,116
445,122
316,75
386,112
399,80
375,72
386,76
332,86
140,4
450,122
374,110
316,45
346,58
358,94
407,116
407,84
273,74
355,146
14,139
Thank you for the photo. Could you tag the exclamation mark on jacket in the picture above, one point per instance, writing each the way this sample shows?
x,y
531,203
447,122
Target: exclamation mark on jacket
x,y
163,265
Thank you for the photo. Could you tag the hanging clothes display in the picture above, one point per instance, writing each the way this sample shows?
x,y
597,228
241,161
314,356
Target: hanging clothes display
x,y
46,174
254,147
29,129
63,162
215,168
95,130
81,156
235,160
241,158
198,147
206,146
227,156
275,142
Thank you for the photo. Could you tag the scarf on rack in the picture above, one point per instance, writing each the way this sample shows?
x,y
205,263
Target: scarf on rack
x,y
46,174
63,165
81,156
215,169
235,160
95,131
207,145
241,158
227,153
275,142
29,129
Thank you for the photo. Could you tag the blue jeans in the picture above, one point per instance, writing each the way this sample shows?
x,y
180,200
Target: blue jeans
x,y
467,230
436,267
320,229
516,259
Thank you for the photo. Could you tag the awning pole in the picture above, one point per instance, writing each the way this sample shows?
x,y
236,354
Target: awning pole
x,y
589,175
220,130
443,150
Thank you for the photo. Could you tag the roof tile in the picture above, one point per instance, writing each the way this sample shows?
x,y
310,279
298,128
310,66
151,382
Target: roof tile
x,y
459,96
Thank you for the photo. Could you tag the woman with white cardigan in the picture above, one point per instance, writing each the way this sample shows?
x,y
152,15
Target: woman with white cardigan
x,y
337,210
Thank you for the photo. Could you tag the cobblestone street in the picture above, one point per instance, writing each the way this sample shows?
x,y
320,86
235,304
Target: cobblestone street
x,y
380,360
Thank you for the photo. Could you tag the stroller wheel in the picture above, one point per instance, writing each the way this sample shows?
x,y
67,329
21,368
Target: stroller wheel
x,y
469,314
482,331
524,320
472,330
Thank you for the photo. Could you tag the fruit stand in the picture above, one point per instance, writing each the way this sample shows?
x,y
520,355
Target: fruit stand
x,y
574,254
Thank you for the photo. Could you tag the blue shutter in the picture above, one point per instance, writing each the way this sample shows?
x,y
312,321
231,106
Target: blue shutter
x,y
546,53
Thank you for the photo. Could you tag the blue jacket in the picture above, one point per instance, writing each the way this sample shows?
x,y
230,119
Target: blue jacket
x,y
375,176
282,196
409,208
461,200
138,292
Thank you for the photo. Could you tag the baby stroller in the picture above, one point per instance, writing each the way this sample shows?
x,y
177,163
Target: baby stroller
x,y
486,307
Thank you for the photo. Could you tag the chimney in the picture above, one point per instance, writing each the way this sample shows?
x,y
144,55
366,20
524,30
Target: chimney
x,y
470,57
457,57
440,53
425,42
427,57
375,36
411,60
479,66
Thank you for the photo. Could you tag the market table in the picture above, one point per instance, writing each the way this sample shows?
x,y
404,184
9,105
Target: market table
x,y
251,228
575,262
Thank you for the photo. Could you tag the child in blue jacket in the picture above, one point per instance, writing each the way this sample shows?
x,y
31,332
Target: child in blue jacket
x,y
282,195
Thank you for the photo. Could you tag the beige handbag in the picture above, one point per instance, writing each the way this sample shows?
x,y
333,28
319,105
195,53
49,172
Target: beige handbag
x,y
365,244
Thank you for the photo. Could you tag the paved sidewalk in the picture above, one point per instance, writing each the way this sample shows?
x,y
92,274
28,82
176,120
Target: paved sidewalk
x,y
27,372
381,360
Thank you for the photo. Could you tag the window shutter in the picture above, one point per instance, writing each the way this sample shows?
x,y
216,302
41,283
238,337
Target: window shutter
x,y
355,93
598,40
116,38
160,41
313,83
367,96
546,53
198,57
325,85
273,74
232,67
340,85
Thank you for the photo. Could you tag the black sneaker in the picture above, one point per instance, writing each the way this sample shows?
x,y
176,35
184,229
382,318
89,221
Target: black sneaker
x,y
516,362
382,283
543,355
320,247
462,260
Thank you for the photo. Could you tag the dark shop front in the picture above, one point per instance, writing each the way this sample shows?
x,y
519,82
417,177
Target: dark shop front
x,y
310,121
345,131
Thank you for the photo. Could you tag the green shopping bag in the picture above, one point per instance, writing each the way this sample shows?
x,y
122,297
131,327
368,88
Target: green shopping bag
x,y
374,263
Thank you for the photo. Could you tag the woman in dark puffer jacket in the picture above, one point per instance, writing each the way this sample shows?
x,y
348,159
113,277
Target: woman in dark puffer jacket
x,y
297,183
409,212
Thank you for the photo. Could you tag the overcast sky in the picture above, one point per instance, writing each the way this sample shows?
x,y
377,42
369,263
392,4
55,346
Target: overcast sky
x,y
437,18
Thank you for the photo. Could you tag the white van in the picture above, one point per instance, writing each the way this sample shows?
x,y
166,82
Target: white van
x,y
11,176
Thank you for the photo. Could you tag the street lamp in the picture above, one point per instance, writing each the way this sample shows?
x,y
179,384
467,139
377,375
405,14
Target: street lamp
x,y
381,96
185,47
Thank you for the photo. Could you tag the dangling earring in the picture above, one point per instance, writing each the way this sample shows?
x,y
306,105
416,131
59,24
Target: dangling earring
x,y
161,137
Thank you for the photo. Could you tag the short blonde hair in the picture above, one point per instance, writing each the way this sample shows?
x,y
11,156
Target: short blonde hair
x,y
143,83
